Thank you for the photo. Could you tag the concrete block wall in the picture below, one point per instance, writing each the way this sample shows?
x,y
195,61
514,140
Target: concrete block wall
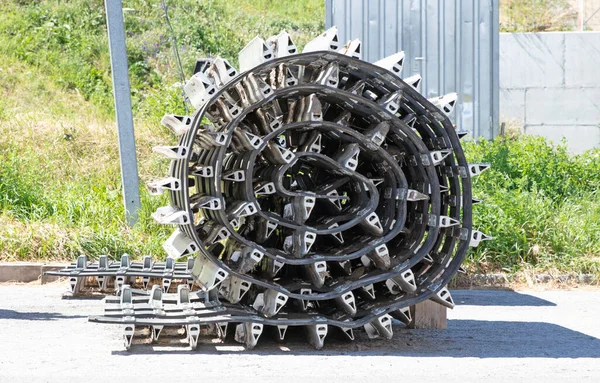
x,y
550,85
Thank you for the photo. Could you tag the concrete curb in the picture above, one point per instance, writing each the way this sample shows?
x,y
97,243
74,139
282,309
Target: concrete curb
x,y
501,280
28,272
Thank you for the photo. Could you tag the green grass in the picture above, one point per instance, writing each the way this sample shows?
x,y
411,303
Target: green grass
x,y
59,171
59,175
67,40
541,205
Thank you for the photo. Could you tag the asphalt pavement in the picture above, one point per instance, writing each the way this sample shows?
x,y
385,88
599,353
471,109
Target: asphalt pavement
x,y
514,336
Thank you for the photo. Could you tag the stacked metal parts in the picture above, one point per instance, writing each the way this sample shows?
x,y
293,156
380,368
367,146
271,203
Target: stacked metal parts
x,y
314,189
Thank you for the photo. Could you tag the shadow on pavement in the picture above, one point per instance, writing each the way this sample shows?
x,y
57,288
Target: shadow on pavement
x,y
12,314
497,298
462,339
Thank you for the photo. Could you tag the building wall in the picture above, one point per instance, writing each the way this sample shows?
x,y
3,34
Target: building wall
x,y
452,44
550,85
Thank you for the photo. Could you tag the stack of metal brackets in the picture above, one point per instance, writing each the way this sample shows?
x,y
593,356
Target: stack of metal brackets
x,y
314,189
115,274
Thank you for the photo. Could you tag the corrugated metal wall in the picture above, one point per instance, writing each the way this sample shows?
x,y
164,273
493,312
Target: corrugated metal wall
x,y
453,44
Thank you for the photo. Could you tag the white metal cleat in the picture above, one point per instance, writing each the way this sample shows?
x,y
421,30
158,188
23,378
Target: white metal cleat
x,y
372,224
316,335
270,302
414,196
199,89
393,63
347,302
326,41
317,272
234,289
446,221
254,53
179,244
205,171
445,103
404,282
265,189
352,49
380,327
171,152
157,187
438,156
208,202
281,331
183,299
444,298
477,169
282,44
222,72
368,291
179,125
170,215
348,156
348,332
248,333
380,257
391,102
207,274
403,315
476,238
128,332
235,175
102,265
413,81
193,333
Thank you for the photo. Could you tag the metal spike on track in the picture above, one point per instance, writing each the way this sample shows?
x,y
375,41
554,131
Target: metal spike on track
x,y
477,169
207,274
328,40
248,333
347,303
170,215
316,335
404,282
403,315
414,81
352,49
393,63
281,331
254,53
445,103
179,125
234,289
179,245
380,327
171,152
444,298
476,238
270,302
157,187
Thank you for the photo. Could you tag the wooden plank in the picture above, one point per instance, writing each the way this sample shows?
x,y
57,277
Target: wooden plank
x,y
428,315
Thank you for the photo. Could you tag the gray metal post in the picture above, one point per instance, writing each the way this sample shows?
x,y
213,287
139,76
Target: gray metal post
x,y
495,107
122,94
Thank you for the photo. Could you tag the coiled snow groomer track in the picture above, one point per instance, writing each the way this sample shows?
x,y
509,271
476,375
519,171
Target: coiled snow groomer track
x,y
315,190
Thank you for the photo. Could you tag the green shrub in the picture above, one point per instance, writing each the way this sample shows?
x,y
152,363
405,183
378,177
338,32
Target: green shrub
x,y
537,15
541,205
